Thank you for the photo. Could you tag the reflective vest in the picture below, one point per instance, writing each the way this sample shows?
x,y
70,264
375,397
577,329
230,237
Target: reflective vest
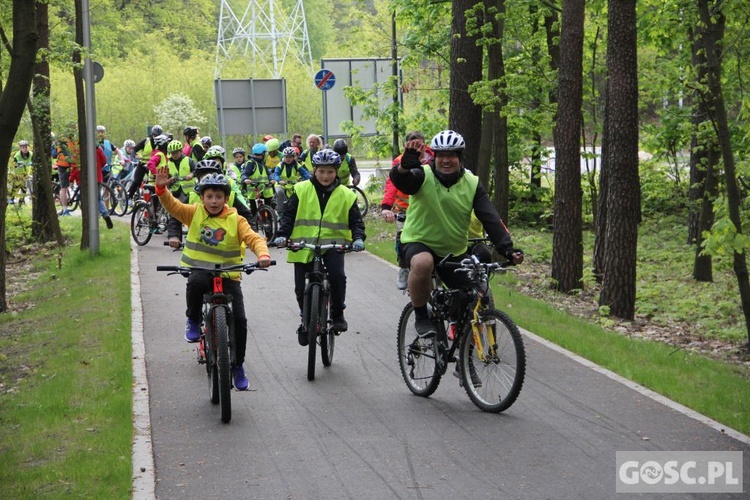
x,y
107,147
344,173
439,217
148,146
308,159
181,170
234,171
195,142
23,165
272,162
315,228
258,173
291,176
212,240
65,154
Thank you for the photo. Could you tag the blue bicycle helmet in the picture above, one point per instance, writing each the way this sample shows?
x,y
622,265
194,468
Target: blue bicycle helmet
x,y
326,157
213,180
259,149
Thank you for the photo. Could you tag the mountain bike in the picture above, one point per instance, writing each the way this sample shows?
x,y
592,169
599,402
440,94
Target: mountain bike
x,y
149,217
316,318
362,202
106,194
74,195
266,219
491,361
216,347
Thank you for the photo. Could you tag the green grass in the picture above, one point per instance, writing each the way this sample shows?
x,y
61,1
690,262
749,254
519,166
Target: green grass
x,y
65,400
716,389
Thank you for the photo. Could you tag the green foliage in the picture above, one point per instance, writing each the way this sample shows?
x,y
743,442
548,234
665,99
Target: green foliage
x,y
664,190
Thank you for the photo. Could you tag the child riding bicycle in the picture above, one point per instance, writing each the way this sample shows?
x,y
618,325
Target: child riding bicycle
x,y
322,211
215,236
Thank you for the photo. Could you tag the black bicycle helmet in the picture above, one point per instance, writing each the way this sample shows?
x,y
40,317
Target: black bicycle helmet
x,y
341,147
156,130
190,131
213,180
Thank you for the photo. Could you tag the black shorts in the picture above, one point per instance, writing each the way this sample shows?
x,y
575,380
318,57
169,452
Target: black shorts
x,y
451,279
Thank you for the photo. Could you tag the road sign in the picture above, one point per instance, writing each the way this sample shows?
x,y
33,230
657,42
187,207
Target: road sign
x,y
98,71
325,79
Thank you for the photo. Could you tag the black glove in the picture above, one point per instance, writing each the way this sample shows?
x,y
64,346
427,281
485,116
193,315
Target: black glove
x,y
410,159
508,254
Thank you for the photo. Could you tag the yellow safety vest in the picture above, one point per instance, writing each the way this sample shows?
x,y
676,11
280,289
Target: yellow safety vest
x,y
211,241
315,228
181,169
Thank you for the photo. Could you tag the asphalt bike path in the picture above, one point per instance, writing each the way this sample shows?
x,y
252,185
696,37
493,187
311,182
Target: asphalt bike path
x,y
357,432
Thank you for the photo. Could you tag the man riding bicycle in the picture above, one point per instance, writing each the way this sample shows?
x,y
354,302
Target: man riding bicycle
x,y
443,194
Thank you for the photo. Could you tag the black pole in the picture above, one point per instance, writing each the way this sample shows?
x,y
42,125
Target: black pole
x,y
394,72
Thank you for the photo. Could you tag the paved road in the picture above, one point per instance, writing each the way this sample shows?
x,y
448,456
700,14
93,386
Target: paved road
x,y
357,432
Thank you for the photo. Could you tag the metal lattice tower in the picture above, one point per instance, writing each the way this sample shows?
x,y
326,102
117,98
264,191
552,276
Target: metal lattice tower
x,y
265,35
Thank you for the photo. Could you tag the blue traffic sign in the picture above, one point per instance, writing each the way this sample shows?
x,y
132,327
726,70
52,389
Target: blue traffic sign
x,y
325,79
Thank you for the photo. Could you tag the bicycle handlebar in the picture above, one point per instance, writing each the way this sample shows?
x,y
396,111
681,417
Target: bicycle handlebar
x,y
471,263
296,247
187,271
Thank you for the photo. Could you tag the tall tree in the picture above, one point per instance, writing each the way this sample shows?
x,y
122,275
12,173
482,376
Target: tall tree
x,y
464,116
711,12
45,225
704,159
498,122
12,102
623,192
567,243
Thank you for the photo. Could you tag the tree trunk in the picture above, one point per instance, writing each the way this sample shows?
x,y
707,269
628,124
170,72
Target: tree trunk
x,y
45,225
12,101
464,116
499,124
567,242
719,115
702,267
623,196
83,134
600,222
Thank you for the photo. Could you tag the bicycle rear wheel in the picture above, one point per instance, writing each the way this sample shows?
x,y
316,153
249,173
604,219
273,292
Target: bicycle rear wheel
x,y
417,356
75,199
140,223
314,328
493,362
327,336
362,202
221,332
267,222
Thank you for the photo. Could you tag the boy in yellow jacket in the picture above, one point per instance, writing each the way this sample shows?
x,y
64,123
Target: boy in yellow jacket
x,y
215,236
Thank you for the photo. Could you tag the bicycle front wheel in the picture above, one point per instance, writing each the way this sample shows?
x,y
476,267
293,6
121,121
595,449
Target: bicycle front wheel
x,y
362,202
140,223
107,195
327,336
493,362
221,334
121,199
417,356
314,328
267,222
212,369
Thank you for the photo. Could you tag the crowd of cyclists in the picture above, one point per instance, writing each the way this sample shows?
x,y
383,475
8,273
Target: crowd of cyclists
x,y
309,190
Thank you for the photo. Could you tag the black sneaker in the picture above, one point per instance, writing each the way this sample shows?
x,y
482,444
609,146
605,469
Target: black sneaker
x,y
340,324
425,327
108,220
475,380
302,335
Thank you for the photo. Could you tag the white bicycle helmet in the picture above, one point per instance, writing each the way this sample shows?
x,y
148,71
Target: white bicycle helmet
x,y
447,140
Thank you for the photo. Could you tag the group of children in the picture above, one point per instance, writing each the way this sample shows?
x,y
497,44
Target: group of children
x,y
313,204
